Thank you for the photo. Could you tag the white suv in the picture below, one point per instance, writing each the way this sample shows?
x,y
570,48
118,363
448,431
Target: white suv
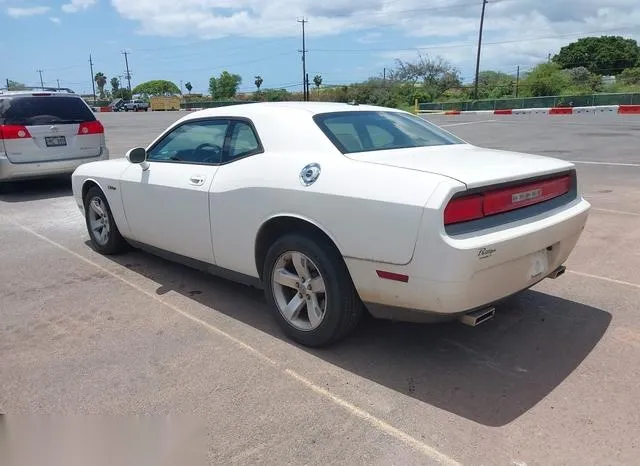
x,y
46,133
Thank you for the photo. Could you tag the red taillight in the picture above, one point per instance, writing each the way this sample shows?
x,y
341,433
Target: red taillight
x,y
492,202
91,127
14,132
463,209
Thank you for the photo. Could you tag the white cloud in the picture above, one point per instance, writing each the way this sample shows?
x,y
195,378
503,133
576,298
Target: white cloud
x,y
516,31
17,12
54,19
77,5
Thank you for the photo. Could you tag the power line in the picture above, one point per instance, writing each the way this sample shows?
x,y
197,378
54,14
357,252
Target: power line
x,y
468,44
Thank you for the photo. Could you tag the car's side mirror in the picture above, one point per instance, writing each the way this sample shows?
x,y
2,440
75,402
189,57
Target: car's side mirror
x,y
138,155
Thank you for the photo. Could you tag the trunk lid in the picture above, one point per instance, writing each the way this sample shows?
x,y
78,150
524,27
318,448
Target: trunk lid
x,y
471,165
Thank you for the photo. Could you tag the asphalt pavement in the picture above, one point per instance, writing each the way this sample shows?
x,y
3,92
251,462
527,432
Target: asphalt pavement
x,y
552,379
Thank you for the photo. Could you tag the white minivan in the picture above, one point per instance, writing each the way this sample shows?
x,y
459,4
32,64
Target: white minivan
x,y
47,133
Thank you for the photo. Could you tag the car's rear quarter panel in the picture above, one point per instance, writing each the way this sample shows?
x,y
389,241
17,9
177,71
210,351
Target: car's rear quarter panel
x,y
369,211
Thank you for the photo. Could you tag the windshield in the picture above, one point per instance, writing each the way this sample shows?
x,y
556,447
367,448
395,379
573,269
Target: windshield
x,y
363,131
32,111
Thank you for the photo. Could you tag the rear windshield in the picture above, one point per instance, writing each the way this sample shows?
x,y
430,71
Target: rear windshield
x,y
380,130
30,111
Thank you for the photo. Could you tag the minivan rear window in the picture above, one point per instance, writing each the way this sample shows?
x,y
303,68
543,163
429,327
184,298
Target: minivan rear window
x,y
31,111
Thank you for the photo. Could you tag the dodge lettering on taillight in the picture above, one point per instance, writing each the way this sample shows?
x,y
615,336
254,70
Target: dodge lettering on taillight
x,y
526,195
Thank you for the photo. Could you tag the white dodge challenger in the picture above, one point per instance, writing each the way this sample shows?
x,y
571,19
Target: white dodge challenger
x,y
335,209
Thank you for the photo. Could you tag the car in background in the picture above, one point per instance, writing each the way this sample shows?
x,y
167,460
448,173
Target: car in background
x,y
136,106
335,208
47,133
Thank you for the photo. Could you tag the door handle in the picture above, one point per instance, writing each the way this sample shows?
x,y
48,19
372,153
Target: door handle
x,y
196,180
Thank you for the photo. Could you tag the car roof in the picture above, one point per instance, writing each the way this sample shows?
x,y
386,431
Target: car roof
x,y
262,108
38,93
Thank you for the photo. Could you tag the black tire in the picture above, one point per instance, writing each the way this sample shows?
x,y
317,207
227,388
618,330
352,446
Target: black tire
x,y
343,308
116,243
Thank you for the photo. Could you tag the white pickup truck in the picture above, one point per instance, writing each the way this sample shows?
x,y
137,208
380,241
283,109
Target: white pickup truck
x,y
136,106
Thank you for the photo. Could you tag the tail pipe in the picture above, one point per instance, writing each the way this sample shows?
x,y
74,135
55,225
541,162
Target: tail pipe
x,y
557,272
475,318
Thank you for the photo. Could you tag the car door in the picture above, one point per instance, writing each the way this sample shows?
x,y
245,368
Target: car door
x,y
167,205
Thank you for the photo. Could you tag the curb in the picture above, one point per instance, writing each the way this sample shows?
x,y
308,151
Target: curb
x,y
619,109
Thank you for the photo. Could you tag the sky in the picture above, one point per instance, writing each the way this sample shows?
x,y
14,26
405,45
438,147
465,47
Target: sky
x,y
347,40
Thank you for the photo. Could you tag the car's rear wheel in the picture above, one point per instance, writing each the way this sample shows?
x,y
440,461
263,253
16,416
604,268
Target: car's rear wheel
x,y
309,290
104,234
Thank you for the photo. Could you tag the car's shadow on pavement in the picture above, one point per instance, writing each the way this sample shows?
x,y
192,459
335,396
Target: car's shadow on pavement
x,y
491,374
34,190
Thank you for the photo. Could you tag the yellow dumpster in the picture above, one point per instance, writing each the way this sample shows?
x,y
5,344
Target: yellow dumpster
x,y
164,103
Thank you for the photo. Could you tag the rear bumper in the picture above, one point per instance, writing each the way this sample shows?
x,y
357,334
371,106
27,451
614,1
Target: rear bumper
x,y
452,276
33,170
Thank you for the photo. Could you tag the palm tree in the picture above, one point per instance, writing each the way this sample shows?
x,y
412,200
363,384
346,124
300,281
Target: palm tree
x,y
258,82
115,85
317,80
101,81
188,86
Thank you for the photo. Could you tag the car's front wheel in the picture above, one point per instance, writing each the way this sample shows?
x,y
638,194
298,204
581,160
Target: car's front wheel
x,y
104,234
309,290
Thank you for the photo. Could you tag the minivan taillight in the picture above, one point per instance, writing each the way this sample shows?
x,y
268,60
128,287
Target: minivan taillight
x,y
14,132
497,201
91,127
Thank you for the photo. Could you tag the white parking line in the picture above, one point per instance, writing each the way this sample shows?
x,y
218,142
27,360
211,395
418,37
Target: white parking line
x,y
378,423
468,123
613,164
610,280
620,212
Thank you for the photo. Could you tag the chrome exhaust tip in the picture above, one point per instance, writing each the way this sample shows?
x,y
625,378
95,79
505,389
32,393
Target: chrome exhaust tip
x,y
557,272
475,318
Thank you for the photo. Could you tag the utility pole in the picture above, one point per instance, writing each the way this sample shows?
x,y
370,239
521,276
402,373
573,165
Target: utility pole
x,y
93,81
517,81
484,6
304,62
41,81
126,62
384,76
8,84
58,83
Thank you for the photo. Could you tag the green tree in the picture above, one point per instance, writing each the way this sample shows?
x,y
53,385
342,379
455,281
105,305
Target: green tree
x,y
188,86
630,76
115,85
15,86
225,86
101,81
606,55
258,82
122,93
495,84
317,80
545,79
156,87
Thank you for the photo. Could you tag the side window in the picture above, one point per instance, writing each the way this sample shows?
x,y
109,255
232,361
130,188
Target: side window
x,y
243,141
193,142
